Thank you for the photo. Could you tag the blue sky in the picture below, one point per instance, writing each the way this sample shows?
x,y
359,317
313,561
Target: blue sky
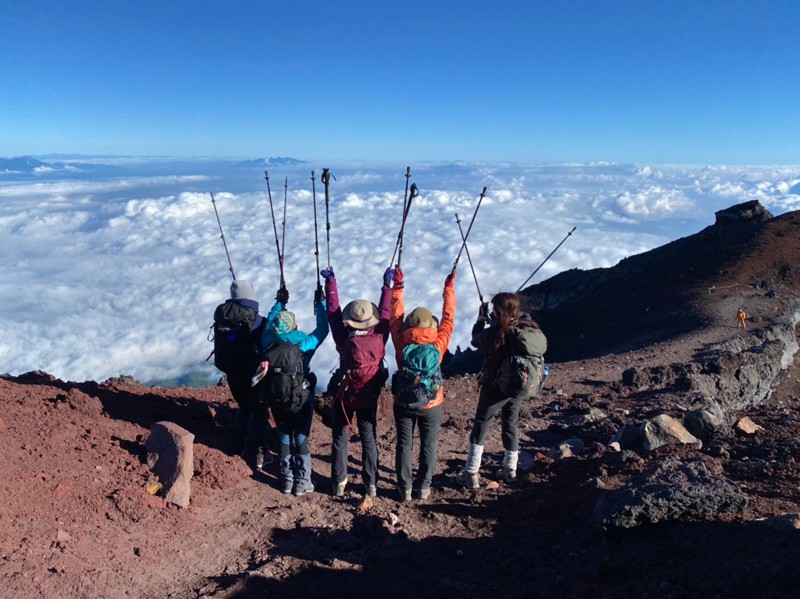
x,y
703,81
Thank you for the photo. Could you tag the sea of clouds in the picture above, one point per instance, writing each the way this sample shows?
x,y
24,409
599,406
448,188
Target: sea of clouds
x,y
116,268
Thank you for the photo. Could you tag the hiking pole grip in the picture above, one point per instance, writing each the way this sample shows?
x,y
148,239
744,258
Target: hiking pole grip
x,y
546,259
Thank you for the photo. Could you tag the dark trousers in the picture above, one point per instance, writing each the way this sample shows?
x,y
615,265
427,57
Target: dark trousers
x,y
406,421
294,429
367,430
252,417
490,402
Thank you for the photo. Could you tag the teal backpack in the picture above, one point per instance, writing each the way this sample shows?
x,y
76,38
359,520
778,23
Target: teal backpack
x,y
419,378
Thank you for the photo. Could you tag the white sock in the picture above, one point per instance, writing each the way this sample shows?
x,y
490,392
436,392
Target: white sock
x,y
474,456
510,459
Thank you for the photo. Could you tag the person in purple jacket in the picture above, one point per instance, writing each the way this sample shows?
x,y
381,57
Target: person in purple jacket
x,y
360,332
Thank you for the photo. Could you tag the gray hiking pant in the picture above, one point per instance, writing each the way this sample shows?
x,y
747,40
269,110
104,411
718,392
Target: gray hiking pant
x,y
367,424
406,421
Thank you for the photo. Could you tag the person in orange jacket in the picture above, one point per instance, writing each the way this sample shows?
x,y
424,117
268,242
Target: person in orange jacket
x,y
420,332
741,317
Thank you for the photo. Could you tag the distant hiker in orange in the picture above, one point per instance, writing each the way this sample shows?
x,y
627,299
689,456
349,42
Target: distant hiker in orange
x,y
741,316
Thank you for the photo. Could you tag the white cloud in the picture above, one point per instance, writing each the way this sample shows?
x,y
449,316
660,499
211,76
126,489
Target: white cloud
x,y
107,276
653,202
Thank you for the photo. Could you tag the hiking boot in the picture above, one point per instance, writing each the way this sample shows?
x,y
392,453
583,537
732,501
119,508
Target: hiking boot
x,y
468,479
301,487
507,475
338,488
288,485
263,459
424,493
405,494
302,484
372,490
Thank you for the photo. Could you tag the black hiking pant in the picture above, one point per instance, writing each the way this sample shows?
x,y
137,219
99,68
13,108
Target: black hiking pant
x,y
252,417
367,431
490,402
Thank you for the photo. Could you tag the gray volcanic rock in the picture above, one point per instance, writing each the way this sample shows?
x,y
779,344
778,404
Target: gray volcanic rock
x,y
670,490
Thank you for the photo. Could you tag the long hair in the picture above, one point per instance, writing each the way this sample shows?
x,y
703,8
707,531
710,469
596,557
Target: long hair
x,y
507,311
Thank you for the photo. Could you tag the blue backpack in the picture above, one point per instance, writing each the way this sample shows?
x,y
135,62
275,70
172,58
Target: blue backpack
x,y
419,378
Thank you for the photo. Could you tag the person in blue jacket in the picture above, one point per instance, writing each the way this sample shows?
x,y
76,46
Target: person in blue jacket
x,y
295,428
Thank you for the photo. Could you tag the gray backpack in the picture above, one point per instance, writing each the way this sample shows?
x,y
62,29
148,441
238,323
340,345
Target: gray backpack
x,y
522,369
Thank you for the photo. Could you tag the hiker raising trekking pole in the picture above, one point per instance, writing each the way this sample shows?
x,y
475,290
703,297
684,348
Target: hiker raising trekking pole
x,y
237,336
513,371
360,332
546,259
275,229
287,385
420,342
221,234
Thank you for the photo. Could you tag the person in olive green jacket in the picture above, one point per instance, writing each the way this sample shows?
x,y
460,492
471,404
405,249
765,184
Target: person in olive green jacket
x,y
506,323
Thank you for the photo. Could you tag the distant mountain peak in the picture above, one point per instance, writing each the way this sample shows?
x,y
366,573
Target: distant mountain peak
x,y
21,164
268,162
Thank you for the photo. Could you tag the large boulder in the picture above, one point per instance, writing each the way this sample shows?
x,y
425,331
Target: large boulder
x,y
666,430
746,211
170,457
669,491
708,422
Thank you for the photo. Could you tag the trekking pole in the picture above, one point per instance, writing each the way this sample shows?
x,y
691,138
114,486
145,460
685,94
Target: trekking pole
x,y
412,194
275,229
283,224
221,234
546,259
465,237
316,237
472,268
404,216
326,180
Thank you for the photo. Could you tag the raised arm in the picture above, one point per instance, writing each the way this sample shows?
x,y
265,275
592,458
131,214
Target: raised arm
x,y
385,306
397,311
447,322
335,322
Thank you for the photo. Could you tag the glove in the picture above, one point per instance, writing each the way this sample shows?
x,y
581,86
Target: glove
x,y
327,273
398,277
319,296
483,312
450,281
282,296
388,275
